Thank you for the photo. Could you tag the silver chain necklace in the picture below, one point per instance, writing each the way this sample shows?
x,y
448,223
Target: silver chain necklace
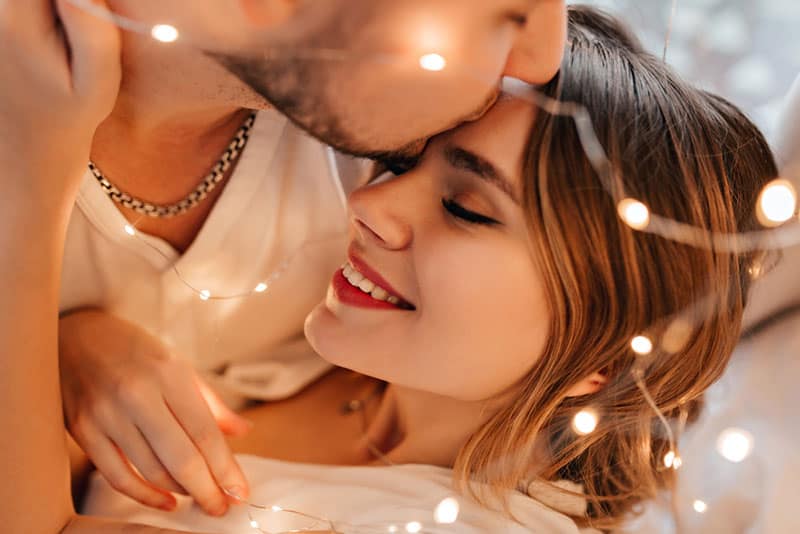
x,y
194,198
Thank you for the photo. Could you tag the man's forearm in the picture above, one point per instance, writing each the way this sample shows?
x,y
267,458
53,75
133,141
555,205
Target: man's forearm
x,y
35,493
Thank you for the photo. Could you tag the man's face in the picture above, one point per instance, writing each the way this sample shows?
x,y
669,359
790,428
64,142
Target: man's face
x,y
371,77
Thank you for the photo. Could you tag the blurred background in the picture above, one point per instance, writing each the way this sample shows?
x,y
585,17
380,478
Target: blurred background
x,y
746,50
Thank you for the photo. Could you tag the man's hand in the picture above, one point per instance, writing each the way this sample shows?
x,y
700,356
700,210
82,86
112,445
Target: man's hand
x,y
61,73
129,404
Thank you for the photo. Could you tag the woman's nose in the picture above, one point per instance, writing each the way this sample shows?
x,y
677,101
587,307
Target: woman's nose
x,y
377,216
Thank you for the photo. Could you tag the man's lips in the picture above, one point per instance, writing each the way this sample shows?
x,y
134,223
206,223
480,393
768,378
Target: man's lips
x,y
362,267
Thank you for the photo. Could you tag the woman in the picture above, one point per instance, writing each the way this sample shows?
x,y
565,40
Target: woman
x,y
496,291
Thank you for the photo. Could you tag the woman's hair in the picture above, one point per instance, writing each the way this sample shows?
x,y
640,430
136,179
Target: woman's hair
x,y
689,156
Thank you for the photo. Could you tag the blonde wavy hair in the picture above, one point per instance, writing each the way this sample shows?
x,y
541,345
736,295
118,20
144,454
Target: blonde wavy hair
x,y
690,156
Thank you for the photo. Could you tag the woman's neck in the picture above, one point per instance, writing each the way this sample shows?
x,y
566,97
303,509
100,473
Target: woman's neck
x,y
413,426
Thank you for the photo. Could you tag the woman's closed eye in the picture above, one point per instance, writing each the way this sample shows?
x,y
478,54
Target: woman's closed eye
x,y
460,212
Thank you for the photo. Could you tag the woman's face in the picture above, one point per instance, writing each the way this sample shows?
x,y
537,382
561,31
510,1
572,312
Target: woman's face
x,y
450,299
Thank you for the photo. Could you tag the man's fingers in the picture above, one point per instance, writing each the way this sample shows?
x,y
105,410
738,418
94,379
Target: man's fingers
x,y
131,442
181,457
111,464
231,423
195,416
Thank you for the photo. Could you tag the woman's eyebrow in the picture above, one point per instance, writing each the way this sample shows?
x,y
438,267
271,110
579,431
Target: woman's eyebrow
x,y
465,160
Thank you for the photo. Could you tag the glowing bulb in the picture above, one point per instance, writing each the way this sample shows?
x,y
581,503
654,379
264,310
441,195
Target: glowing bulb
x,y
642,345
130,230
254,524
677,463
276,508
669,459
432,62
446,511
735,444
164,33
634,213
699,506
260,288
205,294
776,203
413,527
584,422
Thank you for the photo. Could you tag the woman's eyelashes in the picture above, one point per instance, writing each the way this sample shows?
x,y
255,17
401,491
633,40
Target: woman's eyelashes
x,y
460,212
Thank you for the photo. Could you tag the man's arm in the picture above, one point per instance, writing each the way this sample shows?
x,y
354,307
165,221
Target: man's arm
x,y
50,103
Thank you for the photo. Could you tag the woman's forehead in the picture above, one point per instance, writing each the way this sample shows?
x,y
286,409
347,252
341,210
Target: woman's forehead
x,y
499,136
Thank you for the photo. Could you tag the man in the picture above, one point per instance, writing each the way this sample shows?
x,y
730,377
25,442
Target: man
x,y
177,109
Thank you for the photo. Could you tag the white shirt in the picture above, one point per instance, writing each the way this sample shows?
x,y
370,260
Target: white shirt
x,y
282,195
358,500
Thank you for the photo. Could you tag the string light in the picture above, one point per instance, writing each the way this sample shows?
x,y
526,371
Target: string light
x,y
130,230
642,345
669,458
699,506
634,213
584,422
413,527
165,33
776,203
432,62
447,511
735,444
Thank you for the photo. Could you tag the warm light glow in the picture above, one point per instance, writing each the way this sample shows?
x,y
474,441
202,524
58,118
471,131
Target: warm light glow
x,y
634,213
446,511
432,62
735,444
677,463
260,288
277,508
699,506
584,422
165,33
392,528
205,294
130,230
669,458
676,336
413,527
776,203
642,345
254,523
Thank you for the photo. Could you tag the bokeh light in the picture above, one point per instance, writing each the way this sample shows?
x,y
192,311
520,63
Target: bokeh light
x,y
642,345
634,213
776,203
735,444
447,511
432,62
165,33
584,422
699,506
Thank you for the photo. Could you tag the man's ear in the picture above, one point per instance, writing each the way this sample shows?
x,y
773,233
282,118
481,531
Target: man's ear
x,y
267,13
539,46
590,384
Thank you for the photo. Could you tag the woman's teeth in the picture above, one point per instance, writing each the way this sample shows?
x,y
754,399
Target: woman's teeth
x,y
358,280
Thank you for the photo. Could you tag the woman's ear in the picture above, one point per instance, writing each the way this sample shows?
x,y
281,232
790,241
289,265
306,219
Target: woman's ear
x,y
266,13
590,384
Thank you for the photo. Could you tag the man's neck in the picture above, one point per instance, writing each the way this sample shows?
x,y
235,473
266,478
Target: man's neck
x,y
176,112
